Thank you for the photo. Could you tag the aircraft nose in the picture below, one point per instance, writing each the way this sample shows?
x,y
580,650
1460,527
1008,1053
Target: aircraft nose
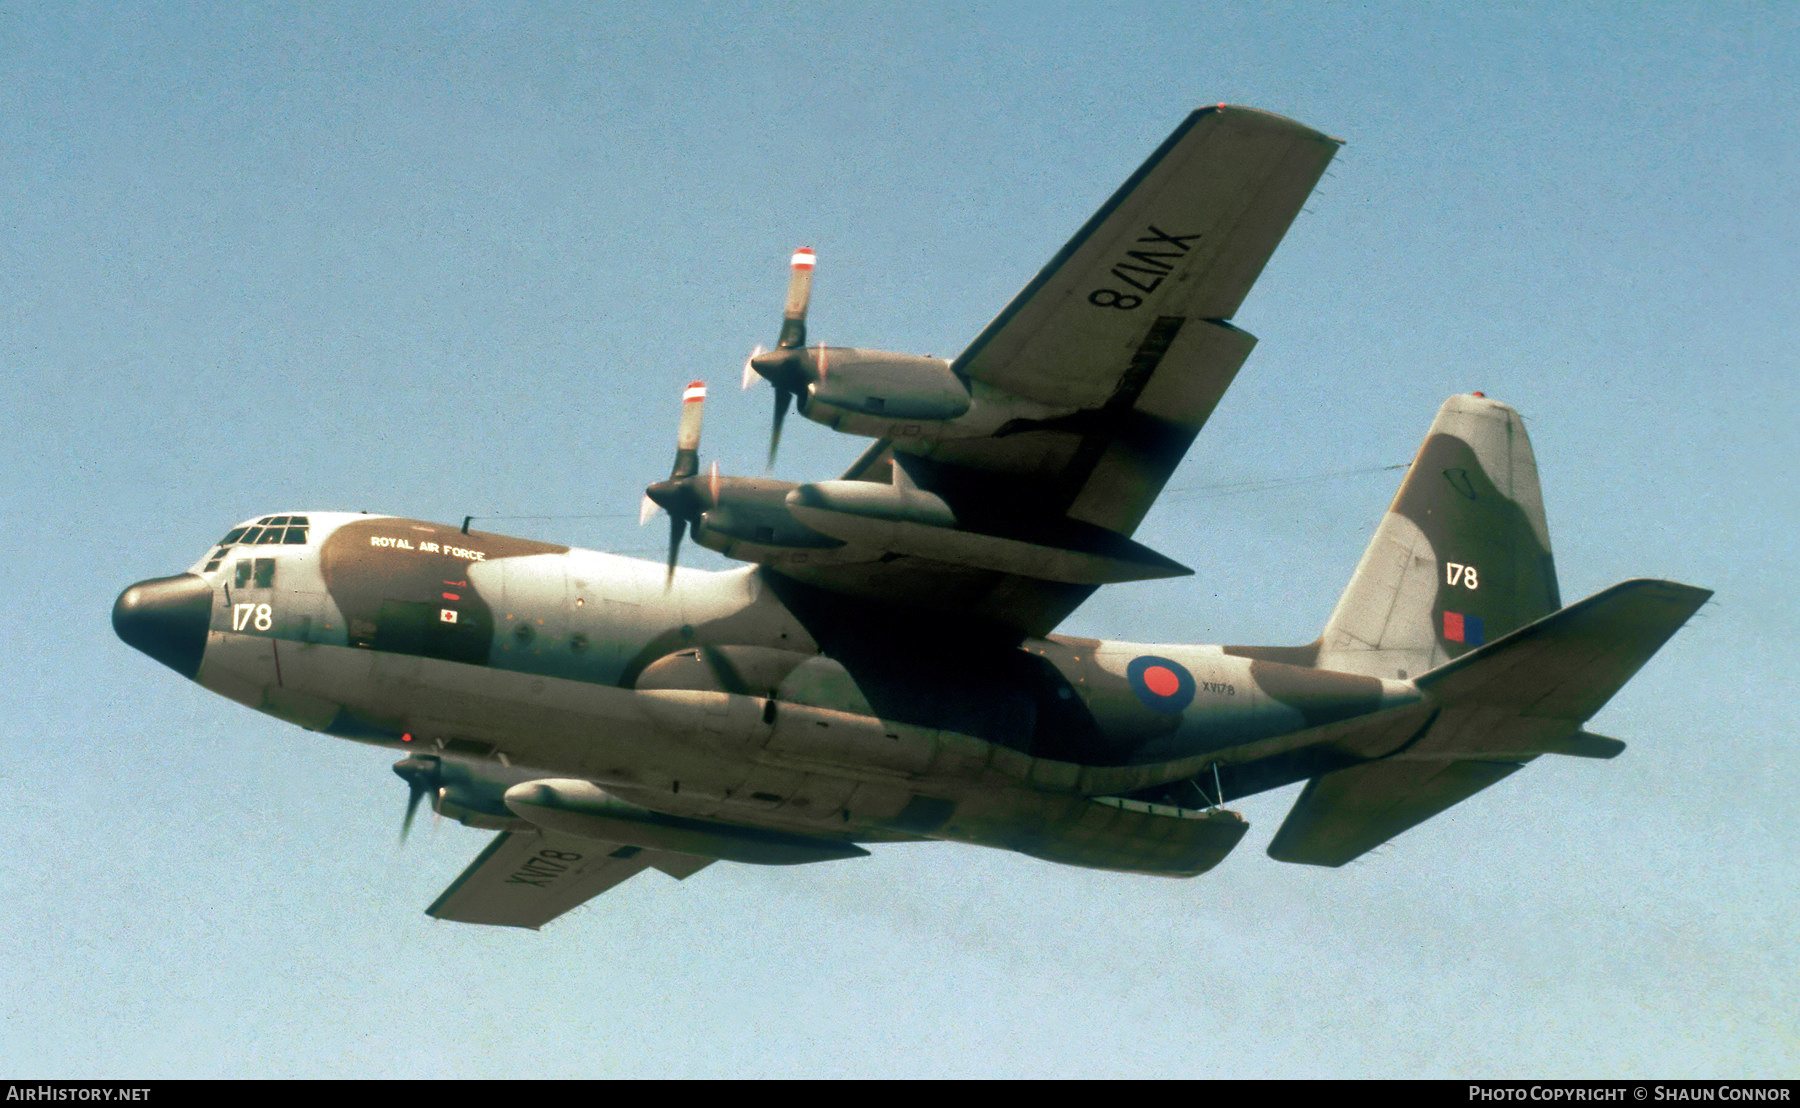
x,y
167,618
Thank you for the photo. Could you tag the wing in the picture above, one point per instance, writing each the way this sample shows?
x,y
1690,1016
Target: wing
x,y
528,878
1127,323
1107,365
1180,242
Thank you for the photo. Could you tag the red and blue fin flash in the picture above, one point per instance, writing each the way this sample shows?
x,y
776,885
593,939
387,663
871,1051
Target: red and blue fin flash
x,y
1462,628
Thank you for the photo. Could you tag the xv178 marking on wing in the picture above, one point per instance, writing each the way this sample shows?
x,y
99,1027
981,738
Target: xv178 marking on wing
x,y
543,867
1153,264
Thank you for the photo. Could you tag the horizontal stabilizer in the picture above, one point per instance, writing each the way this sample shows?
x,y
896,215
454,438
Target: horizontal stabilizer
x,y
1586,744
1499,706
1343,815
1570,663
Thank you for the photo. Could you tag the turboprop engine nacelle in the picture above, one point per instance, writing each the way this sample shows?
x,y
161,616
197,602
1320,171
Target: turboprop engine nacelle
x,y
868,383
472,796
751,510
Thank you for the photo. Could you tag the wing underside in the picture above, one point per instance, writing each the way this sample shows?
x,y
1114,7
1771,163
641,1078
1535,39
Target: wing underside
x,y
1121,346
1127,323
528,878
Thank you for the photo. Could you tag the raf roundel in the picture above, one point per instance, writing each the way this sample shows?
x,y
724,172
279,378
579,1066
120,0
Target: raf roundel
x,y
1161,684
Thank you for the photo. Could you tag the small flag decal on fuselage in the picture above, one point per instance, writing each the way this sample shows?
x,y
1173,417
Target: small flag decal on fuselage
x,y
1463,628
447,615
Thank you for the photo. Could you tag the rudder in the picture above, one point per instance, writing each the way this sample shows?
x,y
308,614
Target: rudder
x,y
1461,558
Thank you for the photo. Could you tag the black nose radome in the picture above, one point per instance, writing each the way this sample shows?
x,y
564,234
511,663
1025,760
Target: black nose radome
x,y
167,618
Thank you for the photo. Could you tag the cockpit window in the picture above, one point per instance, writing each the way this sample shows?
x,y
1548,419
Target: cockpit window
x,y
267,531
254,572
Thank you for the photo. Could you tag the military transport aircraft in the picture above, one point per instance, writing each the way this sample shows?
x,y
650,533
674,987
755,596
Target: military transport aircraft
x,y
885,669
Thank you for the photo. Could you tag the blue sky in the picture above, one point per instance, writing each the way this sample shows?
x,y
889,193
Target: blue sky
x,y
443,260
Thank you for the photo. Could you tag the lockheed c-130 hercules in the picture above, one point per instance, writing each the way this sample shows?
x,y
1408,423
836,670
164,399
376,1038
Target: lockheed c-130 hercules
x,y
885,669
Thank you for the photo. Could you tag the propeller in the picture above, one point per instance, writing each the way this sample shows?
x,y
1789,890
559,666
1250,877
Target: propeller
x,y
423,776
679,495
750,368
785,367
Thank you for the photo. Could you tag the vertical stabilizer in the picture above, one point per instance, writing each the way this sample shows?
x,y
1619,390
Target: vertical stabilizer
x,y
1461,558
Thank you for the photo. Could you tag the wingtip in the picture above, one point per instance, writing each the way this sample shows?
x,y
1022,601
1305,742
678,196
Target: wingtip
x,y
1262,115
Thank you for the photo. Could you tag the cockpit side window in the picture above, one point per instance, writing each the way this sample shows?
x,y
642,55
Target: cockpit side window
x,y
254,573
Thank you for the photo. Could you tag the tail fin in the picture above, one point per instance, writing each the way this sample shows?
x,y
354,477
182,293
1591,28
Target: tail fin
x,y
1461,558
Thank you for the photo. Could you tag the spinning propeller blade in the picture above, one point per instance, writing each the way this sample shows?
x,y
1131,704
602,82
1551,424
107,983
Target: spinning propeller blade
x,y
676,529
799,293
420,772
679,495
782,396
782,367
687,435
750,369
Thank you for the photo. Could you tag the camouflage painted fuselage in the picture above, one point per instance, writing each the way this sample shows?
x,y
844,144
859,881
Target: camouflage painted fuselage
x,y
579,698
746,698
886,669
